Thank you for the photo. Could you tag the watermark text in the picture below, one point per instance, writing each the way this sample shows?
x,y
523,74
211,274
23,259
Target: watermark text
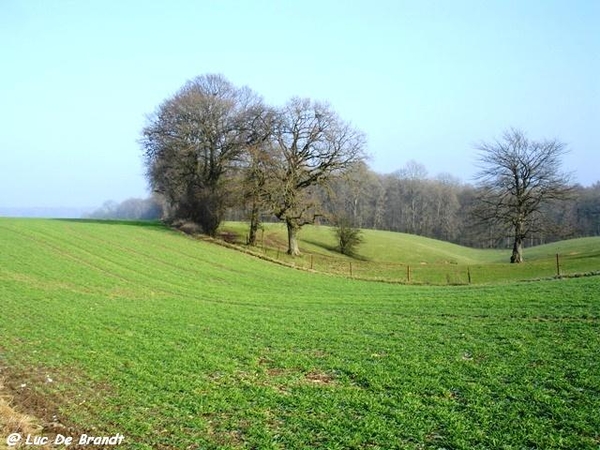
x,y
84,439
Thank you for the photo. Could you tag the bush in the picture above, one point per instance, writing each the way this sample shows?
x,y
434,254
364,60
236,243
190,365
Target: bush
x,y
348,237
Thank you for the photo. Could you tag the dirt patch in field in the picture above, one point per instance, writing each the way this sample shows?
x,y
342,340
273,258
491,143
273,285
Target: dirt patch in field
x,y
24,409
13,421
319,378
19,392
314,377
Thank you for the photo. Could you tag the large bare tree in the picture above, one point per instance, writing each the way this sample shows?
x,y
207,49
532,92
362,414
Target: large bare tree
x,y
310,145
517,178
192,139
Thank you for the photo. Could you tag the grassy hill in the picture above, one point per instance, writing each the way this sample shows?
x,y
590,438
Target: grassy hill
x,y
381,246
386,255
131,328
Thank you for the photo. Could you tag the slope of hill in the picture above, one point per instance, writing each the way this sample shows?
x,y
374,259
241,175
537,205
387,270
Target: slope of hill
x,y
131,328
390,256
383,246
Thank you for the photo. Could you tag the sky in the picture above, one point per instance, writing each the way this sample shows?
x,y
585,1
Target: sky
x,y
426,81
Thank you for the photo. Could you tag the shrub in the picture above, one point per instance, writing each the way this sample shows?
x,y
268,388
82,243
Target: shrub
x,y
348,237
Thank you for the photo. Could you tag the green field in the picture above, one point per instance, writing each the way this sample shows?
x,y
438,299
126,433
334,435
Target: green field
x,y
131,328
390,256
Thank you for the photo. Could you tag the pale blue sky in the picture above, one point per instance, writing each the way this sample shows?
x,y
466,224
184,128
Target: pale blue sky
x,y
425,80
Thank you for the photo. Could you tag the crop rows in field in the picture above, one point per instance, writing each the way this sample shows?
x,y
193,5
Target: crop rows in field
x,y
178,343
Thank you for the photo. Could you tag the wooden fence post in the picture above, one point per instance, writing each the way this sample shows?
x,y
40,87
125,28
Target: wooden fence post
x,y
557,265
469,274
408,273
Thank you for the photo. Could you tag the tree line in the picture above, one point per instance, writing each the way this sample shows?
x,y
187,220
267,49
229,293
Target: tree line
x,y
439,207
214,151
410,200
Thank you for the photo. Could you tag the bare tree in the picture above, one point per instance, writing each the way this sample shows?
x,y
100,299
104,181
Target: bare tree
x,y
311,144
413,185
517,178
193,139
587,209
349,195
443,194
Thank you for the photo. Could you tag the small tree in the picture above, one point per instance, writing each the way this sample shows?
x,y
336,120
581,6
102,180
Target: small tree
x,y
348,236
517,178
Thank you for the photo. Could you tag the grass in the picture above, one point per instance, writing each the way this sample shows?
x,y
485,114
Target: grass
x,y
381,246
393,256
132,328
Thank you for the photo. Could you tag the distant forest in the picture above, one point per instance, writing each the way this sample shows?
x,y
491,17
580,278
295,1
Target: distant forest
x,y
411,201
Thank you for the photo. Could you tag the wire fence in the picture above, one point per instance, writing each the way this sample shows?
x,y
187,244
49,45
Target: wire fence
x,y
446,273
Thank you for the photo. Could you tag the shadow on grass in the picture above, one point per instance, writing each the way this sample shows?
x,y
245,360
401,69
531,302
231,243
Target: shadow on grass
x,y
589,255
334,249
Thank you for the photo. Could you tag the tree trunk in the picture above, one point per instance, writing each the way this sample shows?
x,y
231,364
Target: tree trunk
x,y
292,230
254,222
517,253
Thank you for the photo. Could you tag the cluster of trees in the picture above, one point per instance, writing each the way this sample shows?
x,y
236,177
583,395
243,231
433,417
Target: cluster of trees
x,y
443,207
522,197
407,200
214,148
130,209
583,214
